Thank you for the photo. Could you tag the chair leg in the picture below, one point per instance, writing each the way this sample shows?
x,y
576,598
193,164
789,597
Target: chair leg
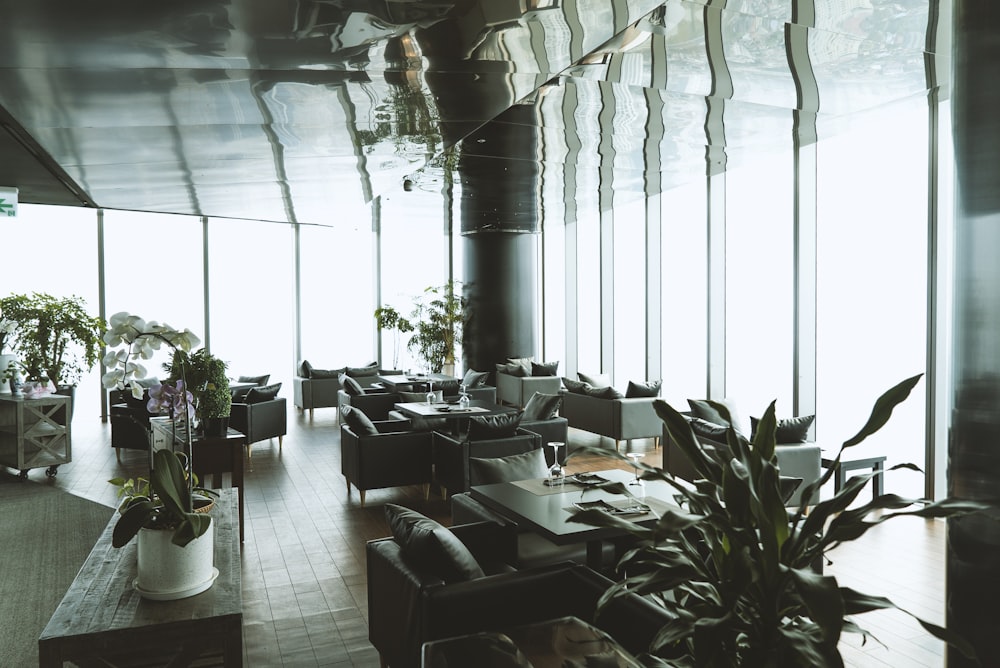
x,y
618,445
362,493
249,451
444,493
118,455
427,491
281,442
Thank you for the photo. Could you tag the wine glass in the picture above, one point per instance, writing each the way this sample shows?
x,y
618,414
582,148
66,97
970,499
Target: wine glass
x,y
463,397
556,471
636,457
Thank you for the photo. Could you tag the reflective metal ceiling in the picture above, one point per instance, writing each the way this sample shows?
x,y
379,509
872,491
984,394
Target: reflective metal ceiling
x,y
299,110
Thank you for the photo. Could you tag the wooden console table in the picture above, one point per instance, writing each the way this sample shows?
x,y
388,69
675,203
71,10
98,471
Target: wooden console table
x,y
102,620
35,433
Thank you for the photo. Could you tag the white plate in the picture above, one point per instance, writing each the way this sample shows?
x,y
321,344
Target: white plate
x,y
181,593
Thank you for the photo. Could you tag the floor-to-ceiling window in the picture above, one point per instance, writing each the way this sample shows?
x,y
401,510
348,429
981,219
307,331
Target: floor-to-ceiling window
x,y
872,273
251,298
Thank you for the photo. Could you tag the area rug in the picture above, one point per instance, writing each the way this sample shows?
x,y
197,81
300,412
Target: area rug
x,y
45,536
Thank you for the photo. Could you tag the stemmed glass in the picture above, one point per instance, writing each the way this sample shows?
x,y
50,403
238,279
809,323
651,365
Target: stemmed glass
x,y
463,397
636,457
556,471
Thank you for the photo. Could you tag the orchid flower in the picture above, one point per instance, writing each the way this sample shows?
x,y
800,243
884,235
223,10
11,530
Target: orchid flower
x,y
142,339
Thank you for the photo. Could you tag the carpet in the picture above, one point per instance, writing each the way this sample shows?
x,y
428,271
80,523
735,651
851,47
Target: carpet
x,y
45,536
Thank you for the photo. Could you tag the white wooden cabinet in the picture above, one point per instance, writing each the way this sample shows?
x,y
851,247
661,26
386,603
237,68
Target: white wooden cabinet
x,y
35,433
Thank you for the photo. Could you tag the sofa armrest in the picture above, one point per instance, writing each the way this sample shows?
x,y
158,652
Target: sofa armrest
x,y
637,418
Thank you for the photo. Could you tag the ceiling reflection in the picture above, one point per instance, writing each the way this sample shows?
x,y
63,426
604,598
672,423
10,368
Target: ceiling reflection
x,y
299,111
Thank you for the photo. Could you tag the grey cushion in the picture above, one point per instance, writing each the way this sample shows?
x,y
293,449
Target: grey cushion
x,y
545,369
542,406
575,386
595,379
351,386
490,427
359,423
256,380
789,430
523,362
650,389
708,430
706,411
431,547
363,371
475,378
512,369
326,373
259,394
526,466
603,392
305,369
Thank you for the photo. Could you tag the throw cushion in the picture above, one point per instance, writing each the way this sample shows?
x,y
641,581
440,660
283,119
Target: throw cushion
x,y
256,380
545,369
259,394
575,386
489,427
431,547
326,373
650,389
420,397
595,379
512,369
359,423
789,430
603,392
305,368
526,466
351,386
475,378
363,371
523,362
706,411
542,406
711,431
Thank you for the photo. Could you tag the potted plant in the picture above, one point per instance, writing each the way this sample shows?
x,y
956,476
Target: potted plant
x,y
388,318
438,325
57,340
206,376
175,543
735,569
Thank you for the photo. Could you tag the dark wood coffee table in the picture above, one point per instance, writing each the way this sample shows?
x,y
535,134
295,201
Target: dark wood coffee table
x,y
545,511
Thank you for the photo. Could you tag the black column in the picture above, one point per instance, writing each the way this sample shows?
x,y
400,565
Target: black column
x,y
973,554
499,178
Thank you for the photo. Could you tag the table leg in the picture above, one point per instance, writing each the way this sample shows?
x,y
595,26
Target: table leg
x,y
595,555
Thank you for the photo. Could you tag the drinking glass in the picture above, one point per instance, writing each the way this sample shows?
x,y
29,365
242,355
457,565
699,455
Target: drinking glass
x,y
636,457
556,471
463,398
430,392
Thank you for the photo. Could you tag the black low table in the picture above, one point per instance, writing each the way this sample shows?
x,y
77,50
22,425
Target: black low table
x,y
876,464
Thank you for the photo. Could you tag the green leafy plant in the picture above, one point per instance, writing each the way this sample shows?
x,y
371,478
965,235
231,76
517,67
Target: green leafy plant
x,y
56,339
388,318
438,323
167,502
206,377
736,568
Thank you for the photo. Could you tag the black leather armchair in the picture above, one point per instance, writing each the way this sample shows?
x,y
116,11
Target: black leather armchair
x,y
261,420
553,429
394,457
451,455
408,606
129,421
375,403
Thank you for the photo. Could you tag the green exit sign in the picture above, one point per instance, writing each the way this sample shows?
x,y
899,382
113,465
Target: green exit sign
x,y
8,202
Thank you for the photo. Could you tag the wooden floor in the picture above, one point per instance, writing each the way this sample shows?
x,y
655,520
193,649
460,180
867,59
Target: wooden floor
x,y
303,560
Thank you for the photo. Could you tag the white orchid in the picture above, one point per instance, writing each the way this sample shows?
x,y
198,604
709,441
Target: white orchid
x,y
142,339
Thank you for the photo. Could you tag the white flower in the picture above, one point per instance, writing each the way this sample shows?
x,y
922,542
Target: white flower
x,y
7,326
142,339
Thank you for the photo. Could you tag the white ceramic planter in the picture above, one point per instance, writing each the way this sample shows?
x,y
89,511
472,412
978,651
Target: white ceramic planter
x,y
4,361
168,572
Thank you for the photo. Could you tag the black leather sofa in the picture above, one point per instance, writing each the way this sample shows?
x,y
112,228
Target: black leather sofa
x,y
451,455
260,421
394,457
129,420
408,605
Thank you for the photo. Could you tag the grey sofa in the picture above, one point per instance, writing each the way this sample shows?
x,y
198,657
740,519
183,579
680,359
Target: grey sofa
x,y
620,419
310,392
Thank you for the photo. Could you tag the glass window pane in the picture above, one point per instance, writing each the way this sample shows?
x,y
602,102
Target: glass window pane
x,y
759,285
872,245
252,289
630,293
